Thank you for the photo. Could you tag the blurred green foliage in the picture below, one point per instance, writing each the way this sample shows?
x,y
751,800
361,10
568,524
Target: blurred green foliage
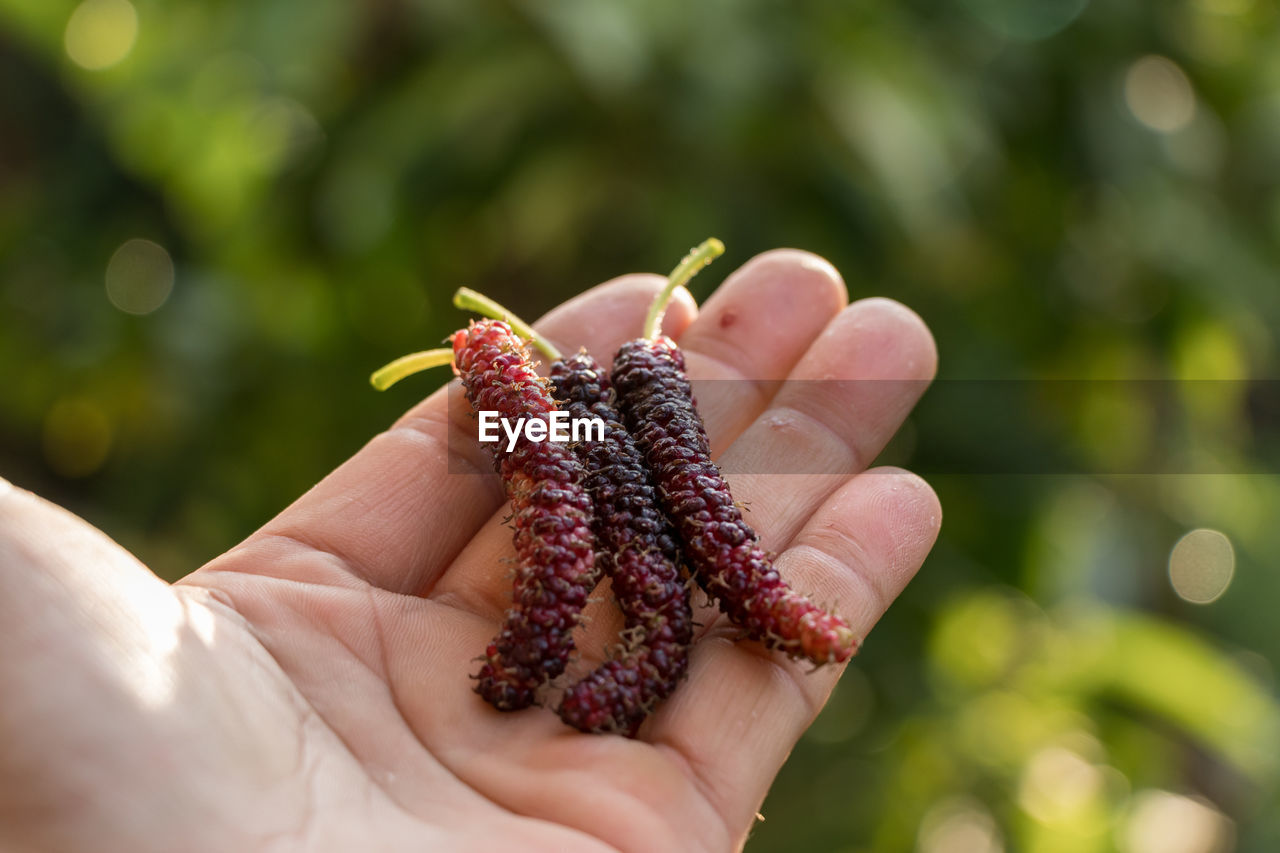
x,y
216,218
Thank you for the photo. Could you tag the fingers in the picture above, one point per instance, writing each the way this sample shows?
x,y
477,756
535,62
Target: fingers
x,y
743,708
603,318
396,513
842,402
837,410
755,327
752,331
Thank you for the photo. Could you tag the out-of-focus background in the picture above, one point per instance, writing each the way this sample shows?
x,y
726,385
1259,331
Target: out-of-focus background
x,y
217,217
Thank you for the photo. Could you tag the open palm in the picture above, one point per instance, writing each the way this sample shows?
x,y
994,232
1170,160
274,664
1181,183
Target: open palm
x,y
310,688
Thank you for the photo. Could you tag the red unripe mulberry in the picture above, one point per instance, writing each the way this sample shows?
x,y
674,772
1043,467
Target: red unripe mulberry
x,y
551,514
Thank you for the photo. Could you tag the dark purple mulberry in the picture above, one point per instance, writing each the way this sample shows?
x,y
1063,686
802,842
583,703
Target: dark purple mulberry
x,y
638,550
551,514
722,550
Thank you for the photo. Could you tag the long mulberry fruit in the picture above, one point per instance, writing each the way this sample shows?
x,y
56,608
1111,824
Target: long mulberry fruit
x,y
637,548
551,514
723,551
644,560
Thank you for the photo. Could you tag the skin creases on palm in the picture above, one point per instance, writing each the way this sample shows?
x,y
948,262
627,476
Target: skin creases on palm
x,y
310,688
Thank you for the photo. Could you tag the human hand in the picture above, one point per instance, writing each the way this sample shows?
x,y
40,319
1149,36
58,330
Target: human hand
x,y
310,688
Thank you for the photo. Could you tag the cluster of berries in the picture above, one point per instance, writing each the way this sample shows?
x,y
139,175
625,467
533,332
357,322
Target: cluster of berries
x,y
644,506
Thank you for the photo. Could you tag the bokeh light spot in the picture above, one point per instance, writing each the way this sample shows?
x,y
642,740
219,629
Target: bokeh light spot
x,y
1161,822
959,825
100,33
77,437
1058,785
1159,94
1201,566
139,276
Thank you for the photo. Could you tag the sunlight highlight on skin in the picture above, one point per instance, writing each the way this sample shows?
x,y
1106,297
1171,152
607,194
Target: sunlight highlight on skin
x,y
201,622
147,648
151,673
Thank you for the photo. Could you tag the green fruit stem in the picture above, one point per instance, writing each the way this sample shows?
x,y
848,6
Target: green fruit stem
x,y
697,258
407,365
469,300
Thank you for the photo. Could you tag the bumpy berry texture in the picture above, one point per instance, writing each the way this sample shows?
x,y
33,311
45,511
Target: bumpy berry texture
x,y
551,514
721,548
639,552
